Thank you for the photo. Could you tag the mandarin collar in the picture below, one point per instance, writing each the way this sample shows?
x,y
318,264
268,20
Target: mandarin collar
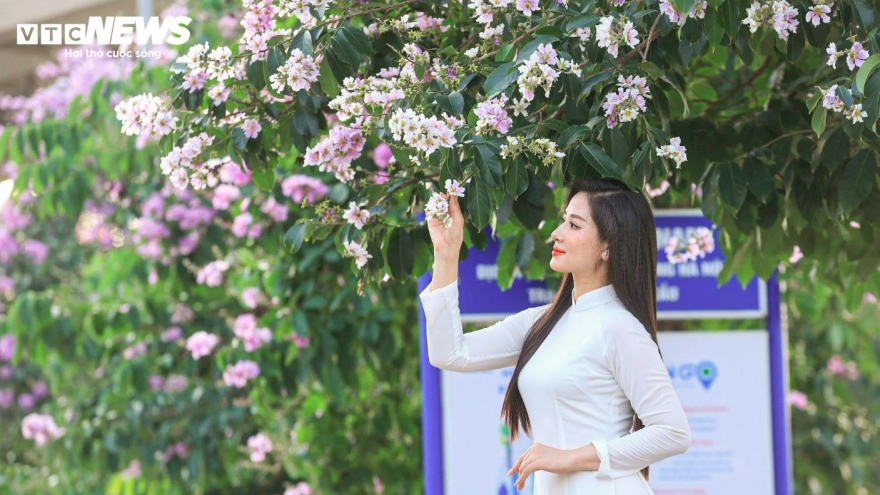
x,y
593,298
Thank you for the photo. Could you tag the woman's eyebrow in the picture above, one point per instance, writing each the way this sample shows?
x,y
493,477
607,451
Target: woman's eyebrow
x,y
575,216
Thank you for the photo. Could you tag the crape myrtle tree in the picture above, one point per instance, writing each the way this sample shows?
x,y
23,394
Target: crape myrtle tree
x,y
763,114
159,340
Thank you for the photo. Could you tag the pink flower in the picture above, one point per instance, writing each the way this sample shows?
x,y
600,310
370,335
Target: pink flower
x,y
132,471
224,194
40,428
26,401
35,250
231,173
299,341
246,329
7,347
856,56
237,375
212,274
250,297
171,334
260,445
796,255
7,398
301,488
40,390
299,187
201,344
798,399
6,372
274,209
175,384
251,128
869,298
378,487
155,382
382,155
241,225
135,350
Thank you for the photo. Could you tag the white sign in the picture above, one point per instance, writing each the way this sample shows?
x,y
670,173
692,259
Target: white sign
x,y
723,382
721,378
107,31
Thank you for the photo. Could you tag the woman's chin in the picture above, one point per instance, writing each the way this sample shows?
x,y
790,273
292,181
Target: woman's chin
x,y
555,266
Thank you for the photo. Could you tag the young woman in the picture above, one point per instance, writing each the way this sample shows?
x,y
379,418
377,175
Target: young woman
x,y
588,367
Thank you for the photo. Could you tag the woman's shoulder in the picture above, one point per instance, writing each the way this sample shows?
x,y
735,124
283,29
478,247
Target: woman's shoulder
x,y
620,322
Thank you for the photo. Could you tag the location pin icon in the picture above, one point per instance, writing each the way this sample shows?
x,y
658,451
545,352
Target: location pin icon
x,y
707,372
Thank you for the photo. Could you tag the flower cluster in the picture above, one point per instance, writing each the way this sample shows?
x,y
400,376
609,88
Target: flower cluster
x,y
336,152
212,273
779,14
303,187
246,329
184,166
356,94
841,369
540,70
300,9
855,56
145,114
425,134
698,245
674,150
201,344
299,72
547,150
260,445
41,428
438,205
627,102
491,115
611,33
676,17
358,252
833,102
301,488
237,375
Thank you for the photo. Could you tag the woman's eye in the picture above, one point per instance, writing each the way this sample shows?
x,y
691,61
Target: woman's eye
x,y
573,226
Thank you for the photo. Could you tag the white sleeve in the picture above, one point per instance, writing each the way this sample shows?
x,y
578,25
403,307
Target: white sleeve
x,y
494,347
635,362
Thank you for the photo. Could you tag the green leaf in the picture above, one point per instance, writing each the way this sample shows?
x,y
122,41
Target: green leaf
x,y
358,39
525,248
239,140
401,253
684,6
488,165
256,74
818,123
857,180
293,239
600,161
865,71
479,204
506,53
594,80
517,177
275,58
457,102
329,84
500,79
733,184
264,178
582,21
865,14
506,263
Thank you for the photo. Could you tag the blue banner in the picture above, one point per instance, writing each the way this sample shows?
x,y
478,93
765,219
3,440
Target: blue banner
x,y
686,290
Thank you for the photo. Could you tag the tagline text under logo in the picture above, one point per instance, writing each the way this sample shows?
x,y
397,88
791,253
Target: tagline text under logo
x,y
108,31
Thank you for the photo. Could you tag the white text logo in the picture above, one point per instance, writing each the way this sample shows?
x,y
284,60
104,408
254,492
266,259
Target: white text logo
x,y
107,31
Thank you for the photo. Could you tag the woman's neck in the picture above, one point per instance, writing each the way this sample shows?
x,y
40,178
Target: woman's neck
x,y
582,285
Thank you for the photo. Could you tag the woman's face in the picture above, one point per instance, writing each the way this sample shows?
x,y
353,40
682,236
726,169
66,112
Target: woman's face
x,y
577,248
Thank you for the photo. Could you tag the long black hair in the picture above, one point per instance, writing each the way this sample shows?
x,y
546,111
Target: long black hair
x,y
624,220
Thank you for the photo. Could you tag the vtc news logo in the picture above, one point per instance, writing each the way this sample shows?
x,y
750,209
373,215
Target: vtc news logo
x,y
705,372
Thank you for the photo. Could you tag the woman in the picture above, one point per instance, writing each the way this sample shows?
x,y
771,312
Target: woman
x,y
588,367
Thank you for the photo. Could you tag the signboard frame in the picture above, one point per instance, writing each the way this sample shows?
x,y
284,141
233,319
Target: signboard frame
x,y
432,429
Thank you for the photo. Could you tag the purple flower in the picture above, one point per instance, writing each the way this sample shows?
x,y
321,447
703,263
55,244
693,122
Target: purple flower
x,y
201,344
7,347
237,375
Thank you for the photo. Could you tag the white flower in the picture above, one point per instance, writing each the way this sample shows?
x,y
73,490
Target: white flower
x,y
356,215
358,252
674,150
855,113
832,54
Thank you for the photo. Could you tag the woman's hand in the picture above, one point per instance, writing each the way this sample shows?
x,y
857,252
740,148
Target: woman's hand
x,y
448,240
540,457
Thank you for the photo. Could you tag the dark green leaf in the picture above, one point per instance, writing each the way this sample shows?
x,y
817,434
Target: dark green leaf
x,y
479,204
857,180
733,184
500,79
401,253
293,239
488,165
600,160
517,177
